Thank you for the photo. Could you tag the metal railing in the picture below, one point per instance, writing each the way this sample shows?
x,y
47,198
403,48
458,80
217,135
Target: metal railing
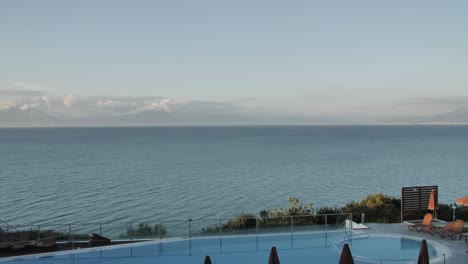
x,y
73,233
326,230
7,230
5,227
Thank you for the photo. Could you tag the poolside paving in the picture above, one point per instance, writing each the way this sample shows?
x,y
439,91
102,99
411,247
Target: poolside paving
x,y
457,248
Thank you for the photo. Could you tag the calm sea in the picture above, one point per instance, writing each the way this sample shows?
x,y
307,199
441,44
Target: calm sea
x,y
71,175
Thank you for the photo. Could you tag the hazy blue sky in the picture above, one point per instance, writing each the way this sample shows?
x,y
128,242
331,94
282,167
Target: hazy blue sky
x,y
384,58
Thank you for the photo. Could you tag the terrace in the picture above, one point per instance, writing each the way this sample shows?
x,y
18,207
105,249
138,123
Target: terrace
x,y
196,237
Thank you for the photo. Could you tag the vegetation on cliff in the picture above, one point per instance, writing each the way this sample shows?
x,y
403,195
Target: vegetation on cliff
x,y
377,208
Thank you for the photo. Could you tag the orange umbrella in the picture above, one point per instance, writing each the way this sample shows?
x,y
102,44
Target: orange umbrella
x,y
432,205
463,201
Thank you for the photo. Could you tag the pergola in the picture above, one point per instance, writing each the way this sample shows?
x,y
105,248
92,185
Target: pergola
x,y
416,199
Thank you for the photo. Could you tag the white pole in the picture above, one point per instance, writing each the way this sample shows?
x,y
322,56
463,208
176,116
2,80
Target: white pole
x,y
454,207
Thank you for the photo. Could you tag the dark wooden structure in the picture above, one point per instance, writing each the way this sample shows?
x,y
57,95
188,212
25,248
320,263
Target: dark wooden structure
x,y
415,200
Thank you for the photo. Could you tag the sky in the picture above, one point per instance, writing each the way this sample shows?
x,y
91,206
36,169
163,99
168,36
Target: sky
x,y
282,58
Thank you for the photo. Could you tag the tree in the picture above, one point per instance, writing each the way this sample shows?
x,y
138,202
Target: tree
x,y
145,230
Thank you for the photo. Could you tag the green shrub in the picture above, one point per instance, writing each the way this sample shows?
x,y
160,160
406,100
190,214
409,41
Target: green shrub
x,y
332,218
244,220
144,230
301,214
462,213
377,208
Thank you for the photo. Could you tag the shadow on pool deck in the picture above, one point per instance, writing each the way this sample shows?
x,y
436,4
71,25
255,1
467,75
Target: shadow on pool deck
x,y
458,248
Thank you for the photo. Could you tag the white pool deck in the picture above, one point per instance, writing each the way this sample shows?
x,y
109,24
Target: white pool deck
x,y
457,248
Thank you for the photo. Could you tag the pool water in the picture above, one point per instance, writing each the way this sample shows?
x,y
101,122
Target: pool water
x,y
297,248
387,247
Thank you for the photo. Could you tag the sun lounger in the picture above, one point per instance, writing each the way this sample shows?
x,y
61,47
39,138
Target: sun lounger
x,y
4,245
24,239
456,230
7,240
426,224
447,227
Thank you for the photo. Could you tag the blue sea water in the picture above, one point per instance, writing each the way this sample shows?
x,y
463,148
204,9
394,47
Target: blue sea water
x,y
81,175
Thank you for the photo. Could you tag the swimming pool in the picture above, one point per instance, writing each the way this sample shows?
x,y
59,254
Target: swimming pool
x,y
312,247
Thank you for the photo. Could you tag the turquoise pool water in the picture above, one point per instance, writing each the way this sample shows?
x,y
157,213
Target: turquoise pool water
x,y
387,249
298,248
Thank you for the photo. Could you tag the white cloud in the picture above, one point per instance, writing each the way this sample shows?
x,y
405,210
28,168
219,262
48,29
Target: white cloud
x,y
5,106
163,105
107,103
29,106
26,95
209,107
69,100
23,96
74,106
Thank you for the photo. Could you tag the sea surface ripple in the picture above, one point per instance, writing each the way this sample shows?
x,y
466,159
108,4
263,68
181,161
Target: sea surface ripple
x,y
83,175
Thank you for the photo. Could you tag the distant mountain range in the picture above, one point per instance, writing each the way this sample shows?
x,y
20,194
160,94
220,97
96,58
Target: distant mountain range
x,y
458,116
17,117
30,117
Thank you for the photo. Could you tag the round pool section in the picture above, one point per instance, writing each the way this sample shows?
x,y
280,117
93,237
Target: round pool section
x,y
390,248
